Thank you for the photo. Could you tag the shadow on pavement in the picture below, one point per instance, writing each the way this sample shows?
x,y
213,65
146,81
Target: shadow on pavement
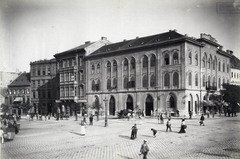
x,y
125,157
124,136
76,133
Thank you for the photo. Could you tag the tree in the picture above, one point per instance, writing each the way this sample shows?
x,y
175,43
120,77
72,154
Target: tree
x,y
4,108
96,105
231,95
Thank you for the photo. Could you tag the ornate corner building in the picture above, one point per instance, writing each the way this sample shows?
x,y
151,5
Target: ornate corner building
x,y
167,72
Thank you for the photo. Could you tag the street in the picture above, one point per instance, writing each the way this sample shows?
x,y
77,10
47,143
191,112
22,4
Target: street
x,y
219,138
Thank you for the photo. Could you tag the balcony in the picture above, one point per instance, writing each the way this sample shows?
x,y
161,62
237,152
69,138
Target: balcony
x,y
211,88
68,68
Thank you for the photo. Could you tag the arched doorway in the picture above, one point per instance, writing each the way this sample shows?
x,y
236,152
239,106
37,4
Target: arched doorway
x,y
129,103
190,104
149,105
171,101
112,106
197,106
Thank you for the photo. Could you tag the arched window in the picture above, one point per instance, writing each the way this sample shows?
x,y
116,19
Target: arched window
x,y
227,68
145,62
98,85
93,85
196,59
219,66
209,79
213,64
167,80
133,64
125,65
219,82
196,79
203,62
204,81
132,82
175,79
223,81
98,68
108,67
209,63
190,79
125,83
190,58
223,67
114,83
108,84
93,69
175,58
144,81
166,59
153,61
153,81
114,66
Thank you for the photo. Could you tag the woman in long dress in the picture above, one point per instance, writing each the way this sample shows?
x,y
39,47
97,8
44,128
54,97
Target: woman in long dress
x,y
183,126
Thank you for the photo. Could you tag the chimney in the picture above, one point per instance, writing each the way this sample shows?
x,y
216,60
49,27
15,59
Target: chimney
x,y
230,52
124,40
87,42
137,37
103,38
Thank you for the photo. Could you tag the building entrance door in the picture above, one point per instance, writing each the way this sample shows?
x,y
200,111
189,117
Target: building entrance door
x,y
112,106
129,103
149,105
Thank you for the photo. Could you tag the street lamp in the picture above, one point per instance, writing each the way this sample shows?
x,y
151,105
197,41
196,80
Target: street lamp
x,y
106,120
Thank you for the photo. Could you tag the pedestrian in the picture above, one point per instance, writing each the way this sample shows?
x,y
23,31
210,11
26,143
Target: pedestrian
x,y
208,113
213,112
168,125
158,117
49,116
201,120
183,126
134,132
190,114
144,149
91,119
151,113
154,132
45,117
161,118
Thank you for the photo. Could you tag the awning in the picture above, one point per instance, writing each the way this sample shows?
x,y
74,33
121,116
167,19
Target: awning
x,y
208,103
18,100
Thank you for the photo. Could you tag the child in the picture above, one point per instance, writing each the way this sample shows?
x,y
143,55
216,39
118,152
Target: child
x,y
154,132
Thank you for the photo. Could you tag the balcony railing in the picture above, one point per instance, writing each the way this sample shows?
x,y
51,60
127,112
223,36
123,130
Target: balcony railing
x,y
212,87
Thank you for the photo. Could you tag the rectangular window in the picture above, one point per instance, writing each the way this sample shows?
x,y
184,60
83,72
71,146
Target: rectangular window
x,y
33,83
49,94
39,72
34,94
39,83
44,71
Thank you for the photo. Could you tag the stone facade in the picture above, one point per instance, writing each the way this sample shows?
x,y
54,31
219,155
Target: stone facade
x,y
163,73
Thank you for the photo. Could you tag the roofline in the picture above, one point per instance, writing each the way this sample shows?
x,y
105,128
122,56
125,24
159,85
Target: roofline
x,y
166,42
69,52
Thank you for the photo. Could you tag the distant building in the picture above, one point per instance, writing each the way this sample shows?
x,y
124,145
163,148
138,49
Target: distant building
x,y
166,73
235,71
72,75
44,86
5,79
18,93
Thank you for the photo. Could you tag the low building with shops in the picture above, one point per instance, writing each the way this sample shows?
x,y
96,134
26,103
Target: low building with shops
x,y
18,94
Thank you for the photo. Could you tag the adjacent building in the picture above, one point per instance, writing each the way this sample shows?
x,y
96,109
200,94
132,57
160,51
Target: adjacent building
x,y
44,86
167,72
5,79
71,72
235,71
18,94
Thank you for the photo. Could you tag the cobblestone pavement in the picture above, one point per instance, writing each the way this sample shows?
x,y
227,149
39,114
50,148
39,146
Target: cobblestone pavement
x,y
219,138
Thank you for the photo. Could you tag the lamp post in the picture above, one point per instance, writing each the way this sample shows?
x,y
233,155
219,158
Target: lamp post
x,y
106,120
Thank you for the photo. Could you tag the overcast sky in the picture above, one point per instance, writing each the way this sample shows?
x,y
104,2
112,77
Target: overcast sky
x,y
37,29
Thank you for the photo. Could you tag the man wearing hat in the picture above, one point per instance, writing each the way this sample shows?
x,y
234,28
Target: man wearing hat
x,y
144,149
